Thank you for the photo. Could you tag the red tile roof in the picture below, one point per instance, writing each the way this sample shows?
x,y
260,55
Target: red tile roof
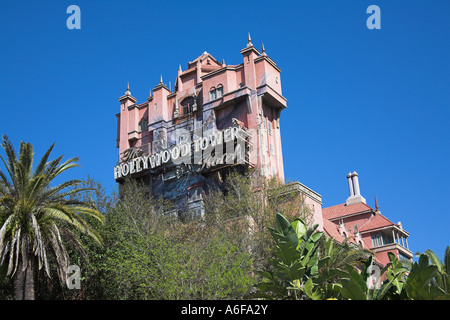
x,y
375,222
342,210
333,231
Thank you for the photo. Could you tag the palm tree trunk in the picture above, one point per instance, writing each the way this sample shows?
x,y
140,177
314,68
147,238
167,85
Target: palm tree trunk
x,y
23,280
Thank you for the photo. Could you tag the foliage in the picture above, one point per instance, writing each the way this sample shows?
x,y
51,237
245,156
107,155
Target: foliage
x,y
443,276
334,270
149,255
421,282
37,219
152,256
428,281
296,262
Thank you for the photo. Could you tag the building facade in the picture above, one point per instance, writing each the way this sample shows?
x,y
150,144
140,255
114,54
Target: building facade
x,y
218,117
223,117
365,226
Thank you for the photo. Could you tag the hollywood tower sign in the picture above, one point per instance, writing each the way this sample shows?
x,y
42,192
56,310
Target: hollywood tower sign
x,y
208,152
218,117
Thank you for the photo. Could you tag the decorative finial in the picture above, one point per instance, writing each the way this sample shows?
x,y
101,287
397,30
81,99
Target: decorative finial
x,y
223,61
263,50
149,93
179,68
376,204
128,93
161,80
249,40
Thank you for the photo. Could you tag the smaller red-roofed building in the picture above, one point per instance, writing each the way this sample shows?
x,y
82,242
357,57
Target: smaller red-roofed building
x,y
362,225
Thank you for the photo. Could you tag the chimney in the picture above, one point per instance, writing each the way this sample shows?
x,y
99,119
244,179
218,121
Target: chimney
x,y
350,184
355,183
353,186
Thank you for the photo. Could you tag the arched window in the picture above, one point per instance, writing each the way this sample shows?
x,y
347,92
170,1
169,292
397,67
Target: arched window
x,y
212,94
219,91
215,93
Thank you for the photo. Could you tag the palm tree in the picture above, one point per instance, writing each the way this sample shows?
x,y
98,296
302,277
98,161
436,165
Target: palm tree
x,y
35,217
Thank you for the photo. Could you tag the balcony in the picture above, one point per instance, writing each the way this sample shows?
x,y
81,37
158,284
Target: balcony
x,y
391,239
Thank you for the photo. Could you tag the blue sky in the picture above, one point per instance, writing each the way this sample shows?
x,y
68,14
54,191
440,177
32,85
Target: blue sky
x,y
372,101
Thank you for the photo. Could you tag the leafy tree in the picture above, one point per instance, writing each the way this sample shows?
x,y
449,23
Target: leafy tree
x,y
149,255
421,282
443,275
296,263
356,285
427,281
35,217
335,268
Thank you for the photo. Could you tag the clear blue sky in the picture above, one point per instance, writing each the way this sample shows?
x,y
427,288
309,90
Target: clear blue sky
x,y
374,101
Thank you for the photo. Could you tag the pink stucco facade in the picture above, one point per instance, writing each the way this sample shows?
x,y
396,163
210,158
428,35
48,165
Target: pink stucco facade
x,y
208,96
249,92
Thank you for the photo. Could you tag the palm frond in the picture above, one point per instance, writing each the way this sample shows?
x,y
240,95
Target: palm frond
x,y
43,162
4,229
11,155
10,172
40,248
26,159
62,258
90,212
